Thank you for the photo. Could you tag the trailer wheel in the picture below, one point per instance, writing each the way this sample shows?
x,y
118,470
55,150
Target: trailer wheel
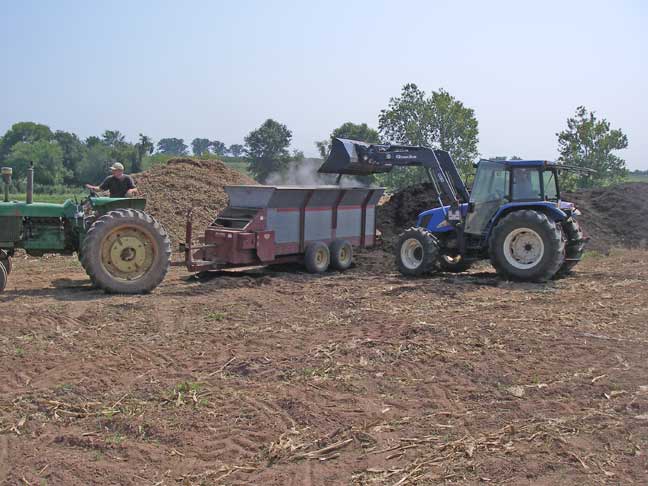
x,y
341,255
417,252
526,245
126,251
3,277
5,259
317,257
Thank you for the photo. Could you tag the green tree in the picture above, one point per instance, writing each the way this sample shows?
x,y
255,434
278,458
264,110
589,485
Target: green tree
x,y
267,149
172,146
352,131
236,150
590,143
94,167
23,132
92,140
217,147
47,158
144,146
73,153
113,138
438,121
199,146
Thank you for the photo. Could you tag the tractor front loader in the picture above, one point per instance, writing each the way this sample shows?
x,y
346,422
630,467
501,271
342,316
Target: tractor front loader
x,y
514,215
121,248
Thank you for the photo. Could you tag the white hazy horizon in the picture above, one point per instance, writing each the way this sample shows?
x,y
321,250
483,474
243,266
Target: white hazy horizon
x,y
218,70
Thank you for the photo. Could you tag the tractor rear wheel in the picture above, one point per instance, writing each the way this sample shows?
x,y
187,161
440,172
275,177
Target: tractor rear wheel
x,y
526,245
341,255
317,257
5,259
3,277
417,252
574,247
126,251
453,264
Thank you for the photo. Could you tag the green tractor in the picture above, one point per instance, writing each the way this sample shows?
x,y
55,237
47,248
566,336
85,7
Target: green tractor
x,y
122,249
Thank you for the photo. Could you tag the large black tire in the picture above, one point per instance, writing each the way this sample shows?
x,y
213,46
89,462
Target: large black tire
x,y
5,259
3,277
574,247
526,245
454,264
417,252
126,252
317,257
341,255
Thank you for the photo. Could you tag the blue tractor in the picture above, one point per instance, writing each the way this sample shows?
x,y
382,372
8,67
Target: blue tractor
x,y
513,216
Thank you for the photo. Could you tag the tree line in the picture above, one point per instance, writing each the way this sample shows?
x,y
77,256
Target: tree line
x,y
63,158
436,120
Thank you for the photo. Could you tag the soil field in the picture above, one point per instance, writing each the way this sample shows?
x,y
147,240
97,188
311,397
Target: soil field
x,y
278,377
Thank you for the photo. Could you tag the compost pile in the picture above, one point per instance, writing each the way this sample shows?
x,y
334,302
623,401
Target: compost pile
x,y
183,183
612,216
401,210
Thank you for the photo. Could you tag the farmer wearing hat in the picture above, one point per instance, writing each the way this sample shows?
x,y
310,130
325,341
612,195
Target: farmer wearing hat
x,y
119,184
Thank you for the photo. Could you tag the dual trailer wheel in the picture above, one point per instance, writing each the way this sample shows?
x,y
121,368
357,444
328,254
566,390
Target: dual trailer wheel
x,y
525,245
319,256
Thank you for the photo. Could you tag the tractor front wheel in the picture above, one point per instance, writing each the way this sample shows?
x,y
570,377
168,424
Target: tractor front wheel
x,y
417,252
5,259
574,247
526,245
126,252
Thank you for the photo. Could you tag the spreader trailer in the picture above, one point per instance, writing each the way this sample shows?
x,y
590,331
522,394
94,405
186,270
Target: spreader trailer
x,y
263,225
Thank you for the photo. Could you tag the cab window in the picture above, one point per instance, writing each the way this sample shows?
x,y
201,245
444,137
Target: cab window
x,y
491,183
526,184
550,186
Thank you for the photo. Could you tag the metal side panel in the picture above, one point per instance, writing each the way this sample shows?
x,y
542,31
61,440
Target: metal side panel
x,y
288,198
249,196
349,223
318,225
354,197
285,225
377,194
370,224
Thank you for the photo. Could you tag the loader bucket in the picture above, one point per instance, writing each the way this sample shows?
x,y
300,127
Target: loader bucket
x,y
347,157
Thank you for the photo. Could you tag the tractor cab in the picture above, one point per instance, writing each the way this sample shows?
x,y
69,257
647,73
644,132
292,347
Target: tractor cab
x,y
503,184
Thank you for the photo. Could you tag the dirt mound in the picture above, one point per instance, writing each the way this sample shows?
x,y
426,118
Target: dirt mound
x,y
401,210
183,183
612,216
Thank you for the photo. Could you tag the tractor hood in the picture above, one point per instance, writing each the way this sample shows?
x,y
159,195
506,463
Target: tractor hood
x,y
38,210
105,204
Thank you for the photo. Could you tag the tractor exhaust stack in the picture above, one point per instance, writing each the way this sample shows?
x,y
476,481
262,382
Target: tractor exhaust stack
x,y
30,184
6,178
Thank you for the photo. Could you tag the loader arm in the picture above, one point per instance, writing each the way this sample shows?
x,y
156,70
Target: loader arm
x,y
350,157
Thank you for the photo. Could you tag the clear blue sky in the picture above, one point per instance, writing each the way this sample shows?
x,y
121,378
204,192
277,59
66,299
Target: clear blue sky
x,y
218,70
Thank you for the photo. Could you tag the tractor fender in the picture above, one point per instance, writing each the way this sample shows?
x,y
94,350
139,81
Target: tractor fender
x,y
550,209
